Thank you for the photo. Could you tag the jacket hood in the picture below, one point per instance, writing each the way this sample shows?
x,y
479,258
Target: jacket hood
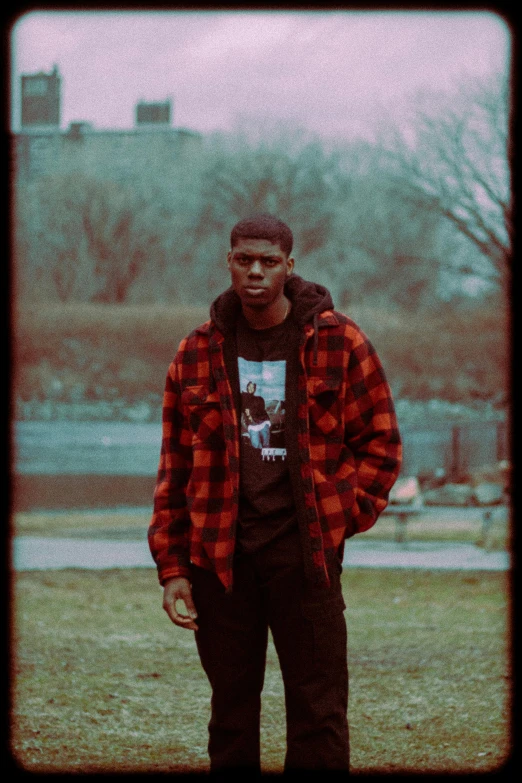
x,y
308,300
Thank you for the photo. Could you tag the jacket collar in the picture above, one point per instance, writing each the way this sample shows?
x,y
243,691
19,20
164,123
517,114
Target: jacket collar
x,y
326,318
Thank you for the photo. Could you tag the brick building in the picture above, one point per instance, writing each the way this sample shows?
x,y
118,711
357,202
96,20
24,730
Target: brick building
x,y
41,148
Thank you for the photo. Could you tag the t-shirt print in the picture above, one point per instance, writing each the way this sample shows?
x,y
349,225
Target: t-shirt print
x,y
262,387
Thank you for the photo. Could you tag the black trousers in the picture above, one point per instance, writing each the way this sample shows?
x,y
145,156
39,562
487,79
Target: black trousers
x,y
309,633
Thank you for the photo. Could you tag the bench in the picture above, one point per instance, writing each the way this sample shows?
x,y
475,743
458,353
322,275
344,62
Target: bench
x,y
403,513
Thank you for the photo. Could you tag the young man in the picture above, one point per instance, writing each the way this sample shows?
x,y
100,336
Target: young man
x,y
249,526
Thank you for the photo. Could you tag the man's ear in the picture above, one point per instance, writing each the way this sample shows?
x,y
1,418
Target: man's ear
x,y
289,266
229,257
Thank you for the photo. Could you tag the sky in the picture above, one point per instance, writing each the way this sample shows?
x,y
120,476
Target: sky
x,y
329,72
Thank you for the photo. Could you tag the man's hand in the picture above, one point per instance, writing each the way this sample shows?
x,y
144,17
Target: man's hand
x,y
174,590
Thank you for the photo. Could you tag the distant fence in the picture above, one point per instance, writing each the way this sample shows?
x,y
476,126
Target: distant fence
x,y
456,449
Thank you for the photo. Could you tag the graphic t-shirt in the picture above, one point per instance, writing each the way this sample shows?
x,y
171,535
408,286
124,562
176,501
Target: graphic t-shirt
x,y
266,504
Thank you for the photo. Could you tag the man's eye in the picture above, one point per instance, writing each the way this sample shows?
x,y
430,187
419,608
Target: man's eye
x,y
246,261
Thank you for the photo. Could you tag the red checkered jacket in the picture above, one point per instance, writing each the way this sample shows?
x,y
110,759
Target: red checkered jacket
x,y
343,443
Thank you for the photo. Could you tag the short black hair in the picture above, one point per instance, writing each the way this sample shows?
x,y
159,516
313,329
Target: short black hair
x,y
264,226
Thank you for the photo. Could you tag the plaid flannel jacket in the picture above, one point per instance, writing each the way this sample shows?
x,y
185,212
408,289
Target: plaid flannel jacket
x,y
347,450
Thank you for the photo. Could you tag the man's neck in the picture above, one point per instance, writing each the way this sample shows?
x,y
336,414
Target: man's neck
x,y
271,316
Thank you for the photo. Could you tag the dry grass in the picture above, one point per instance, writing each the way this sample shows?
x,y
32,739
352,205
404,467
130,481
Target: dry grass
x,y
443,353
103,682
104,350
128,347
148,331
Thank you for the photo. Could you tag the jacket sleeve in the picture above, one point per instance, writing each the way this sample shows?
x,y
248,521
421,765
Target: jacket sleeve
x,y
168,532
371,433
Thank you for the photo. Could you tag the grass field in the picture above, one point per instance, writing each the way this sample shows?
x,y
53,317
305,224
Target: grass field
x,y
103,682
463,525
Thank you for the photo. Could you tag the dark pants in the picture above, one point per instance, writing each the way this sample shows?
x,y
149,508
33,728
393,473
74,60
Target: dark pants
x,y
309,633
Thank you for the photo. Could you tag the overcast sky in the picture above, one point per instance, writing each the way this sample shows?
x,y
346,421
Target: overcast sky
x,y
328,72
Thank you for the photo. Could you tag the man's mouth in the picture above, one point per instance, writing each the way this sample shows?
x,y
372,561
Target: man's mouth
x,y
254,290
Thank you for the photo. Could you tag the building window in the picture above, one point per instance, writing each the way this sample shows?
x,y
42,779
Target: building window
x,y
35,87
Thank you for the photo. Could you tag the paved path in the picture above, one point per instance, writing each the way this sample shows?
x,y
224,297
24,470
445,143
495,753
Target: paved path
x,y
38,553
424,554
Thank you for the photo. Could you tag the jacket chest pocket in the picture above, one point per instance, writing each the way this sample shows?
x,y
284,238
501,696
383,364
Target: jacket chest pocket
x,y
203,412
324,404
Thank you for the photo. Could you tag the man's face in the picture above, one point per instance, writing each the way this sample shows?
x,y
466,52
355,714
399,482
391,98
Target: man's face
x,y
259,270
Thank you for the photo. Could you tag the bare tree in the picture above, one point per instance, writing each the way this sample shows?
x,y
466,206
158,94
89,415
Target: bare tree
x,y
50,248
298,181
288,174
376,219
453,157
121,240
393,246
90,238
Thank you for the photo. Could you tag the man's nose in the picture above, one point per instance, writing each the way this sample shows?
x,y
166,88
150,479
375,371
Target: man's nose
x,y
256,268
